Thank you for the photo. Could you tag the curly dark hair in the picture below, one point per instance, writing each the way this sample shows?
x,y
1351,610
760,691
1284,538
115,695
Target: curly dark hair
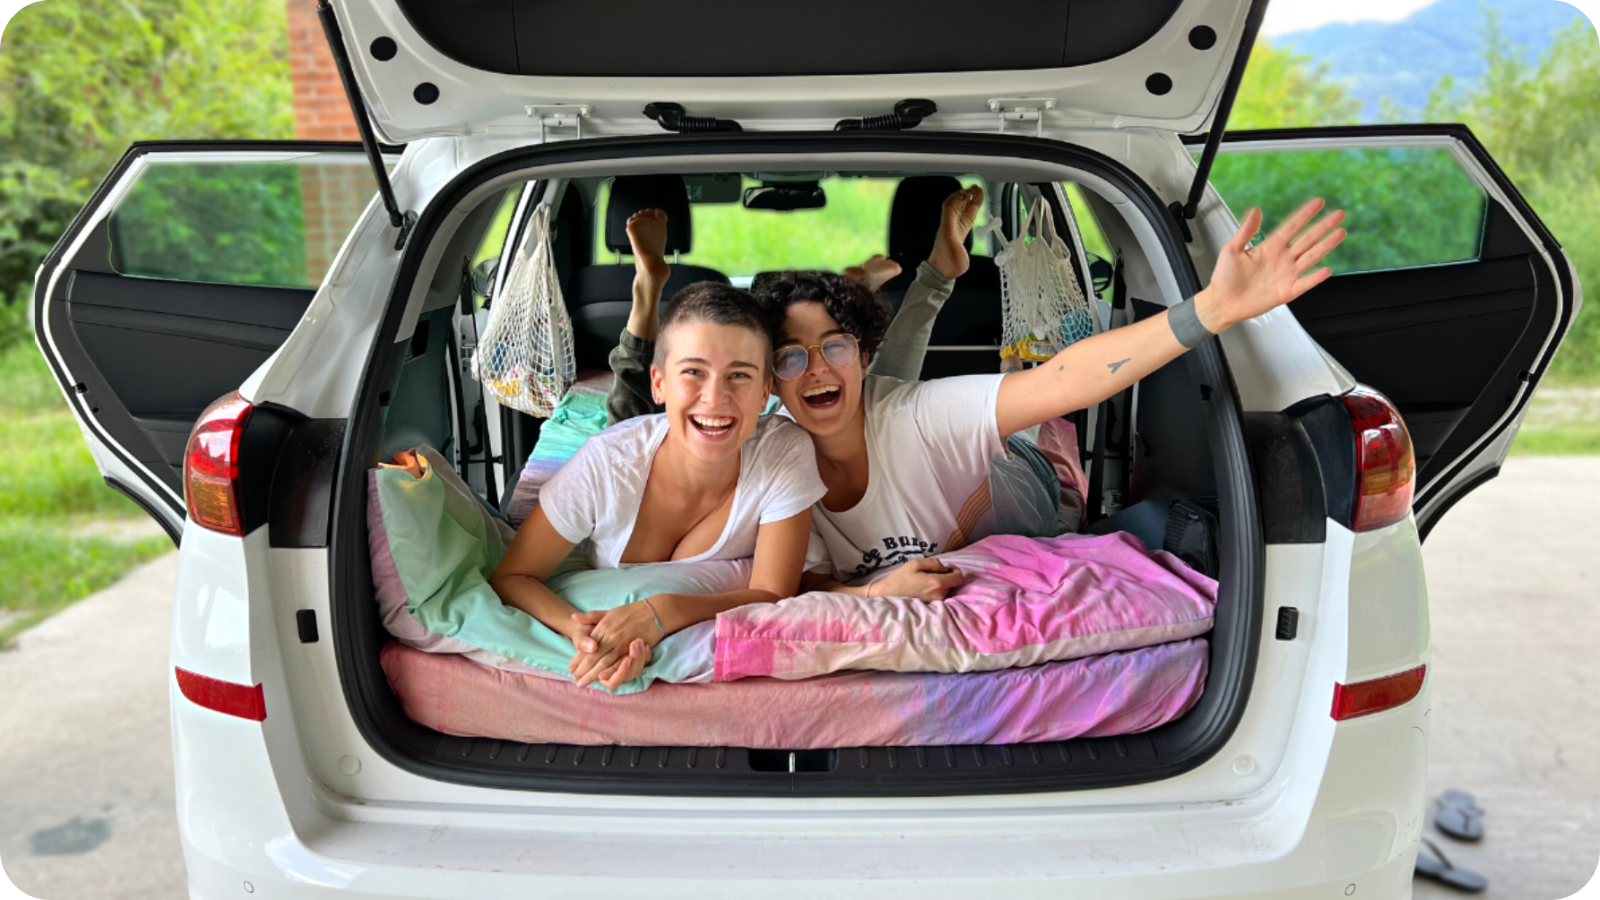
x,y
856,309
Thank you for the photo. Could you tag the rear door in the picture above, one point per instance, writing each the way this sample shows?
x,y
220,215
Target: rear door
x,y
1449,296
189,267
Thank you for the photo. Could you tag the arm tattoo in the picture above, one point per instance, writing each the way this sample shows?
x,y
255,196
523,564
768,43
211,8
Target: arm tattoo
x,y
1118,364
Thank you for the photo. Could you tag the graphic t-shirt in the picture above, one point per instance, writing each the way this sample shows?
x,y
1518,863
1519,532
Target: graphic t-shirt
x,y
596,495
929,445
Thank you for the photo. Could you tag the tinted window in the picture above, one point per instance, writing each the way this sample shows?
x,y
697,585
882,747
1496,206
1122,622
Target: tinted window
x,y
263,223
1407,206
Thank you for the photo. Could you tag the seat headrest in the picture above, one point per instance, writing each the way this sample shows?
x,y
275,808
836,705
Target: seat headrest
x,y
631,193
914,217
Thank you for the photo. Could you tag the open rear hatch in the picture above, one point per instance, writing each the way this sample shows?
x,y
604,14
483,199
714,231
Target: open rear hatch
x,y
430,68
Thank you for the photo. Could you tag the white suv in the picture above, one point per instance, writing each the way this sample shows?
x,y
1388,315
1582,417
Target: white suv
x,y
197,271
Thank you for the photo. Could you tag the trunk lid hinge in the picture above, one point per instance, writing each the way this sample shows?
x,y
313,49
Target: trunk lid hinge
x,y
561,115
369,141
1190,207
1022,109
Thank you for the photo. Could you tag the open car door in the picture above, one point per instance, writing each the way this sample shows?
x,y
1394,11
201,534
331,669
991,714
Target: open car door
x,y
186,271
1449,295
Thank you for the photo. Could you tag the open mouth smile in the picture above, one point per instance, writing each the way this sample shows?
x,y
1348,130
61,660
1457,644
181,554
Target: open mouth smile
x,y
822,396
713,427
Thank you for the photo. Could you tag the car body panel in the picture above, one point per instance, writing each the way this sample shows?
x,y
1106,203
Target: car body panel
x,y
1111,93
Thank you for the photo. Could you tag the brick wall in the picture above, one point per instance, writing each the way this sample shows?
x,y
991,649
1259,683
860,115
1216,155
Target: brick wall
x,y
321,111
332,196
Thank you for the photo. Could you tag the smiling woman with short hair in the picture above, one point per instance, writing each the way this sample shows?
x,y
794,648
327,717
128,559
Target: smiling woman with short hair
x,y
710,478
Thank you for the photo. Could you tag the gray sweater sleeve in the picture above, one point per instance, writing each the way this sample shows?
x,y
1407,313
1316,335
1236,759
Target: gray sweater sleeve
x,y
906,343
630,386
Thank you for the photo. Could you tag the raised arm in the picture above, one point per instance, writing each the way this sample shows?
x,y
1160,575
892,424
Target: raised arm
x,y
1247,282
610,652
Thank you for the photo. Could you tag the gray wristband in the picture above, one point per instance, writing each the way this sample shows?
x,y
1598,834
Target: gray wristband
x,y
1186,325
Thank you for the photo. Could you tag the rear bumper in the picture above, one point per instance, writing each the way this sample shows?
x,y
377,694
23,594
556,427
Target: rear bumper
x,y
1350,818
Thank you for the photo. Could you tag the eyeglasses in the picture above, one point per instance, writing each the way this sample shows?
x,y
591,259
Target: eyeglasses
x,y
790,362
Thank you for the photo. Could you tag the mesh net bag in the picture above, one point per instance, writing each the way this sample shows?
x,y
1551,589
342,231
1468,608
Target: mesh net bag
x,y
525,357
1043,306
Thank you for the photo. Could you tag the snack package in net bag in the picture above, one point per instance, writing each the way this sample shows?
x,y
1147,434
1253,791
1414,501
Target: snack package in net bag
x,y
525,357
1043,306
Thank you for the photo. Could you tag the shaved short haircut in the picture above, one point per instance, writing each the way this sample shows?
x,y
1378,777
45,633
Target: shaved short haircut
x,y
718,304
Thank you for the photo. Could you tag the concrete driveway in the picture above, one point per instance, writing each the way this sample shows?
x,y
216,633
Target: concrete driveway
x,y
86,798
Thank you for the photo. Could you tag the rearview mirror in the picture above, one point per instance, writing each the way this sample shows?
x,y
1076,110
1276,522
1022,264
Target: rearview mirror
x,y
785,196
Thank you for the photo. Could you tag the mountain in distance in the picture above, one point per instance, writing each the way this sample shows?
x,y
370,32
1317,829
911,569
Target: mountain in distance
x,y
1404,60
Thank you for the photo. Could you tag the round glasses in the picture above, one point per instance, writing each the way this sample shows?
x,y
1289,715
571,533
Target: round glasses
x,y
790,362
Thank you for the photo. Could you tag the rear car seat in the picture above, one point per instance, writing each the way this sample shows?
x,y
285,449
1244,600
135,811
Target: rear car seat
x,y
971,317
599,297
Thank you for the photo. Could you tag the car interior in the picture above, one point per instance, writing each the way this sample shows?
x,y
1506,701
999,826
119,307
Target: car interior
x,y
1143,451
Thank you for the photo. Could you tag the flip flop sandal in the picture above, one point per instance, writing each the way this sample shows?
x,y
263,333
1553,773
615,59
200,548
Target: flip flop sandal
x,y
1459,816
1438,868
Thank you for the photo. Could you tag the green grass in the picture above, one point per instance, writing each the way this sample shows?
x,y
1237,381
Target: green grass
x,y
1578,440
46,567
52,553
1563,420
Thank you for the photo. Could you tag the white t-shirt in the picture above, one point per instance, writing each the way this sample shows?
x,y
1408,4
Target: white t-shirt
x,y
596,495
929,445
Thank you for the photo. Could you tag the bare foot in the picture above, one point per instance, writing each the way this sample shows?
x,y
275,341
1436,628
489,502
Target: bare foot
x,y
949,254
647,234
874,272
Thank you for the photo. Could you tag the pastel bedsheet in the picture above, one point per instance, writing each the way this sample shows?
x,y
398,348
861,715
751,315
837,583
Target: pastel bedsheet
x,y
1026,601
1117,693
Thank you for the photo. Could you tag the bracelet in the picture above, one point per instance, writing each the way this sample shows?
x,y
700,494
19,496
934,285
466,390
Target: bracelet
x,y
1185,324
870,586
653,615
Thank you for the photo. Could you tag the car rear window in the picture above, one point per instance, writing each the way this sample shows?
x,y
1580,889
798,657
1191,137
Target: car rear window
x,y
274,223
741,242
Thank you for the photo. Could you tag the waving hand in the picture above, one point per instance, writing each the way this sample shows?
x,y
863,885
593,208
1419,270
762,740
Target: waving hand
x,y
1249,281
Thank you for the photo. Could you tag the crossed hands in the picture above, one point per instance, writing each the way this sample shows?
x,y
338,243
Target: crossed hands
x,y
1249,281
613,646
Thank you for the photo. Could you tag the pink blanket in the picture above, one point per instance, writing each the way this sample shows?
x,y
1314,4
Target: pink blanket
x,y
1026,601
1119,693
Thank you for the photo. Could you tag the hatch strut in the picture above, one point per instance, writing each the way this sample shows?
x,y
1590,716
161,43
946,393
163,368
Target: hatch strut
x,y
330,28
1183,212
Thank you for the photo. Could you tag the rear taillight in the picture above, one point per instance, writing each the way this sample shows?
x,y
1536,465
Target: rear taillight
x,y
1385,467
211,466
1367,697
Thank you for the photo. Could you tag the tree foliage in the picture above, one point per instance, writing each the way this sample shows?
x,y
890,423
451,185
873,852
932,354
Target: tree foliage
x,y
80,80
1284,90
1541,122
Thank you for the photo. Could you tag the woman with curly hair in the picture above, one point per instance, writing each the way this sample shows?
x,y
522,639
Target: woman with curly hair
x,y
906,463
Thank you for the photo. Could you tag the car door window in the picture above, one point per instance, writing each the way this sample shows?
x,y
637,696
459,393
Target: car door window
x,y
1407,206
271,224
